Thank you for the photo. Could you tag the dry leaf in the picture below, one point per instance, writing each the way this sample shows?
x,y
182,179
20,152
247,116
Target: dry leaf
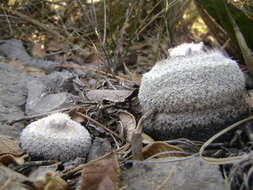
x,y
101,175
50,181
110,95
128,122
11,180
9,158
9,145
10,151
147,139
158,147
76,117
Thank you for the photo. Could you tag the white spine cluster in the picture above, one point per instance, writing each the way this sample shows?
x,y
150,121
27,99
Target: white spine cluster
x,y
186,49
195,89
56,137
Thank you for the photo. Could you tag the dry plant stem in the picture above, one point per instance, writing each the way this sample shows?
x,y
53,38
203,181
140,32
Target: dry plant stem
x,y
246,52
136,141
228,160
44,114
215,28
97,71
39,163
101,125
92,19
136,147
105,21
6,184
68,173
155,17
162,161
37,23
7,18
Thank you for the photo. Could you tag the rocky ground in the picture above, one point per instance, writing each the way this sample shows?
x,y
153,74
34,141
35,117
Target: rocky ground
x,y
32,88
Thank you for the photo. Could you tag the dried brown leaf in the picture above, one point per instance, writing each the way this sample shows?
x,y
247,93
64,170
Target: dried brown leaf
x,y
128,122
50,181
110,95
9,158
9,145
75,116
101,175
158,147
147,139
11,180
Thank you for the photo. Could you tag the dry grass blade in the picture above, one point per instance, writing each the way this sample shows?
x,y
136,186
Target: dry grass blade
x,y
228,160
158,147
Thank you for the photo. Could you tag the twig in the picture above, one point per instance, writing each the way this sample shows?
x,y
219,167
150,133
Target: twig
x,y
42,114
100,125
228,160
7,18
35,22
97,71
105,21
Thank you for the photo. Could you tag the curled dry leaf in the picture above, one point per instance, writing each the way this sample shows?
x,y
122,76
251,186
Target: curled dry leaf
x,y
129,124
10,151
12,180
158,147
50,181
101,175
75,116
115,96
147,139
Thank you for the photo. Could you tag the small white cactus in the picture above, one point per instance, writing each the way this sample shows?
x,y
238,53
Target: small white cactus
x,y
56,137
200,89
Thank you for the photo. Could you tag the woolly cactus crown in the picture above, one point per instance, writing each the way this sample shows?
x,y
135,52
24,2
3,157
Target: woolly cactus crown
x,y
193,88
186,49
56,137
189,83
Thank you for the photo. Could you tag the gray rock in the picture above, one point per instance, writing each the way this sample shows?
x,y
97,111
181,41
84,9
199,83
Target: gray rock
x,y
192,174
99,147
11,130
48,93
14,48
12,98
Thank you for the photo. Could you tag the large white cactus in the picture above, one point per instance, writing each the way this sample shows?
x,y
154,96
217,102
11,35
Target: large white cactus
x,y
191,89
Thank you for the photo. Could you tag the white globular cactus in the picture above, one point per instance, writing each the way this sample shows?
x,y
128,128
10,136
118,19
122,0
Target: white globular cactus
x,y
56,137
194,93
